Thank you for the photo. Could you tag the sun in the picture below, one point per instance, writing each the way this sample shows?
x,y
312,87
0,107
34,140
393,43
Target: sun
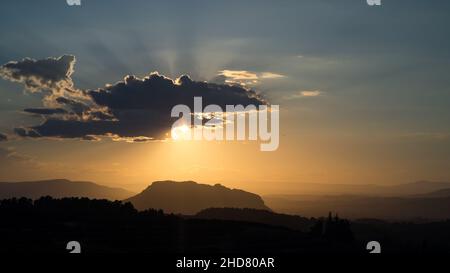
x,y
182,132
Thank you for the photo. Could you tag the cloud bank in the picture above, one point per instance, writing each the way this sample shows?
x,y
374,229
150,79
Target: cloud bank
x,y
134,109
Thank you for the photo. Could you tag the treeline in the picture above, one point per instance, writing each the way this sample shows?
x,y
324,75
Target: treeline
x,y
72,209
258,216
101,226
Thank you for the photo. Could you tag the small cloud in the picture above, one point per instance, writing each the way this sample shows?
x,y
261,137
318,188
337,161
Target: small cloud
x,y
11,159
138,139
90,138
239,74
314,93
244,77
45,111
270,75
305,94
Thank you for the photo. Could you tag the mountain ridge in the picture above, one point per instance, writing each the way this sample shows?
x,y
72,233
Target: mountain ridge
x,y
403,189
192,197
59,188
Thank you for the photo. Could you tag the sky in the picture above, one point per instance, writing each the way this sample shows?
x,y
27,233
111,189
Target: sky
x,y
363,91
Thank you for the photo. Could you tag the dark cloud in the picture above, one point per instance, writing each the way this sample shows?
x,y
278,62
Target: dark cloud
x,y
84,111
160,93
100,115
37,75
52,76
3,137
76,106
45,111
26,132
61,128
140,108
133,109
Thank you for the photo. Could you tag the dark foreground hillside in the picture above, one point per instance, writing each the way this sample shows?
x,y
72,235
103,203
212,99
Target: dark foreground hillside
x,y
258,216
46,225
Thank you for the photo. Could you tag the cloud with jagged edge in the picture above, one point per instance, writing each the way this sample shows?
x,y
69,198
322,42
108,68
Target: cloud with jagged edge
x,y
134,109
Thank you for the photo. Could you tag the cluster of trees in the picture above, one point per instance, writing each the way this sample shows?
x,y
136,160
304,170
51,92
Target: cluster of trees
x,y
333,229
72,209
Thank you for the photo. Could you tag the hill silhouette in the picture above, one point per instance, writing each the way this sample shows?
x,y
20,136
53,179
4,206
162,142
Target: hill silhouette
x,y
356,207
46,225
59,188
434,194
101,226
258,216
419,187
190,197
395,190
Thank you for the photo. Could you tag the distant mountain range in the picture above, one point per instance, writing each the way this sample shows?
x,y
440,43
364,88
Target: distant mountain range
x,y
434,194
59,188
411,201
426,200
419,187
432,207
190,197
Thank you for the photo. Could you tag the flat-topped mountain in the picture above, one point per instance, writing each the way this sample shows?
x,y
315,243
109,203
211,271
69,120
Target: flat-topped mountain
x,y
190,197
59,188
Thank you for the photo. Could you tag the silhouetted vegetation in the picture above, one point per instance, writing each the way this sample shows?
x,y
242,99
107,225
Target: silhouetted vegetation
x,y
333,229
60,188
102,226
47,224
405,237
258,216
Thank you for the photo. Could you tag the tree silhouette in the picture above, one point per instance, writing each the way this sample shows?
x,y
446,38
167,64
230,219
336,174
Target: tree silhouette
x,y
333,229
